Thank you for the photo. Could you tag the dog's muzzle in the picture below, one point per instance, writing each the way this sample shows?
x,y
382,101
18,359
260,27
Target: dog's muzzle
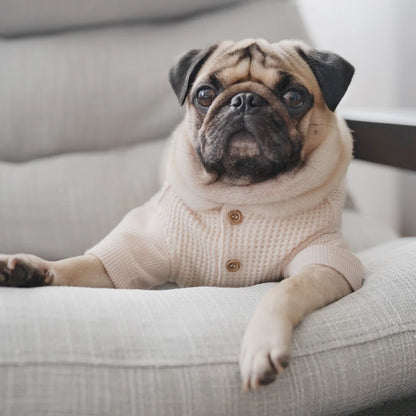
x,y
246,139
243,143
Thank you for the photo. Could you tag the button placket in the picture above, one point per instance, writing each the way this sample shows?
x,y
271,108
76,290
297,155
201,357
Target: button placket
x,y
234,217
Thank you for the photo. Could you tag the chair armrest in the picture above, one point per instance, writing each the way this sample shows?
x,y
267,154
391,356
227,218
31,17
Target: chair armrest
x,y
384,138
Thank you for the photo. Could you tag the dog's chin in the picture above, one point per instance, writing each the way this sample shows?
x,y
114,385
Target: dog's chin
x,y
237,181
243,145
243,163
247,171
243,170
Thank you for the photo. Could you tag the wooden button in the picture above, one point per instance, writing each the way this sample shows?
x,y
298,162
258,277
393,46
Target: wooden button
x,y
232,265
235,217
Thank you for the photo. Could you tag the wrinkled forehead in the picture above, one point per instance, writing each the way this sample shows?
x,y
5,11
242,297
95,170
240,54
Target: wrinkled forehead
x,y
256,60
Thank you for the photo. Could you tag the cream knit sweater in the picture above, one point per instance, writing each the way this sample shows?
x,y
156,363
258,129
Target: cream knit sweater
x,y
193,234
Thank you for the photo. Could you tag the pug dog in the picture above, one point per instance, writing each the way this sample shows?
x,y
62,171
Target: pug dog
x,y
253,192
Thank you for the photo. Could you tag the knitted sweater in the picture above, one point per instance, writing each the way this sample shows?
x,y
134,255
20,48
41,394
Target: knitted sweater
x,y
192,234
164,240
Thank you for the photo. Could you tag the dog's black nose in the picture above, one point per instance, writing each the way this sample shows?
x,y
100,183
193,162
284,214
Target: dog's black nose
x,y
245,101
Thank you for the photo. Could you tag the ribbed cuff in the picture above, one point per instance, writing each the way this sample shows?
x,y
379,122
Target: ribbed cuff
x,y
117,263
338,258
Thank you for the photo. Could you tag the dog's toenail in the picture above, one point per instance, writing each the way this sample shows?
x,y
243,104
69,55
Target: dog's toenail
x,y
48,277
284,360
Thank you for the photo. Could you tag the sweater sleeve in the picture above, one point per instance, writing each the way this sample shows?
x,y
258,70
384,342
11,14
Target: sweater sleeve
x,y
329,250
135,254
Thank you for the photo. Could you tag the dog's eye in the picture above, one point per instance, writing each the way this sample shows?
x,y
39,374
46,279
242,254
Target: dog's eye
x,y
205,96
294,99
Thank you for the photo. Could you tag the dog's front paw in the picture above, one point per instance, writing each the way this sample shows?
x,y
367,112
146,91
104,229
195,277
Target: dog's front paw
x,y
24,270
265,351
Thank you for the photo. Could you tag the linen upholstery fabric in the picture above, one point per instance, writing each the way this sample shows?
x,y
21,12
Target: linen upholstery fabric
x,y
19,17
59,206
98,94
78,351
363,232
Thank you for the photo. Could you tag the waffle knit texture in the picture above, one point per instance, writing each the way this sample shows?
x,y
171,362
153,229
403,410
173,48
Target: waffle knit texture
x,y
164,240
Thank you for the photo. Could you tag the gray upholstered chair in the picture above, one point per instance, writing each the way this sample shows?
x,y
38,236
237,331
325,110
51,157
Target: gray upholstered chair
x,y
84,109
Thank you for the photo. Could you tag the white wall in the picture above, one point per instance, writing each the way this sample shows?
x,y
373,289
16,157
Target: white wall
x,y
379,38
406,42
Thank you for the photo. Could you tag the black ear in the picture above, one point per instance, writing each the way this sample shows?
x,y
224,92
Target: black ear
x,y
332,72
183,74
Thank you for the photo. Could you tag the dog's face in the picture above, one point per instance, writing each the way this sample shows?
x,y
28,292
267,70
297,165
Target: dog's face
x,y
256,110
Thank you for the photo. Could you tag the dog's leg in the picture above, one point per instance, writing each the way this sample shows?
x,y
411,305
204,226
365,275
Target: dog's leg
x,y
26,270
265,350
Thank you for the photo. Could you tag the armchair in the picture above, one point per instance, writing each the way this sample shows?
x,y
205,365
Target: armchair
x,y
84,109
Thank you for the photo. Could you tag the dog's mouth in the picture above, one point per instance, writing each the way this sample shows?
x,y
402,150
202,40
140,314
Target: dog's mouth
x,y
243,145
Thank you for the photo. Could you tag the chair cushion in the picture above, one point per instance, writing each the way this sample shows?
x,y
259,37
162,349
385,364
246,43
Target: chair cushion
x,y
59,206
362,231
78,351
